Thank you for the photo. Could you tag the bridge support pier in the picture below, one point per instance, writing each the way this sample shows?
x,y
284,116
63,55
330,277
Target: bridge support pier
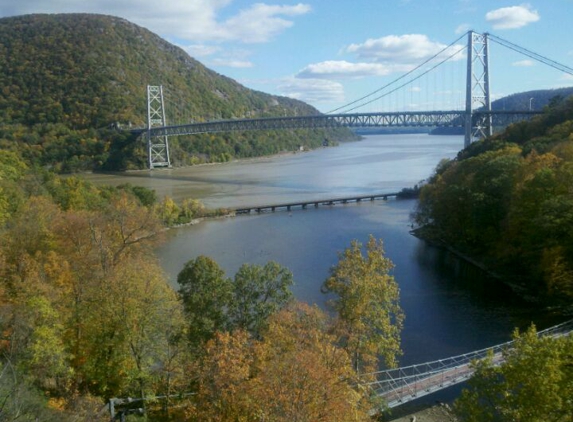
x,y
477,89
157,146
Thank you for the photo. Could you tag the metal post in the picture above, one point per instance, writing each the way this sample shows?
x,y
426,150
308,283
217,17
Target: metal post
x,y
112,409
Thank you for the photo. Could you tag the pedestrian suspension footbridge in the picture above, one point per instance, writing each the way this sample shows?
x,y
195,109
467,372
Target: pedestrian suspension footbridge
x,y
401,385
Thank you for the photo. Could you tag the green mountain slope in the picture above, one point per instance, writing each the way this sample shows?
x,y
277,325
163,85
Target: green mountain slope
x,y
66,78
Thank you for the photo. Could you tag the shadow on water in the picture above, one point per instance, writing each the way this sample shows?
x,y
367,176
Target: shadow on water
x,y
482,289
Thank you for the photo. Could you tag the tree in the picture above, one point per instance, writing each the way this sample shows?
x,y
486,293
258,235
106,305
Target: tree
x,y
258,292
302,374
295,372
370,317
214,303
222,380
206,296
534,384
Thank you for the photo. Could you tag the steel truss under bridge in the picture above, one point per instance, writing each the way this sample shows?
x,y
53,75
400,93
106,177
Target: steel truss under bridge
x,y
455,118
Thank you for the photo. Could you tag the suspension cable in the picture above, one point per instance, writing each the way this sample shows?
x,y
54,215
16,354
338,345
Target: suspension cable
x,y
404,84
397,79
533,55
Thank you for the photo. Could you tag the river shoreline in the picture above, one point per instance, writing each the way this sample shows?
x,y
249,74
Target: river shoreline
x,y
519,291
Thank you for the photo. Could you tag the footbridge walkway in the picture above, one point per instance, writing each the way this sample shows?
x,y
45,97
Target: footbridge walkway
x,y
401,385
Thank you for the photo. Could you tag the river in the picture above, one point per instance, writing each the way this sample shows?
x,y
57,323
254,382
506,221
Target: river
x,y
450,307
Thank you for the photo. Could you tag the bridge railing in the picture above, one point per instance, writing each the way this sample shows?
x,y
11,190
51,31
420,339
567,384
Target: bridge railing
x,y
402,384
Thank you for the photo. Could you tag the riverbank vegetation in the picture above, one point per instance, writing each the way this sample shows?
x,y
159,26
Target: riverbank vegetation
x,y
507,202
534,383
87,315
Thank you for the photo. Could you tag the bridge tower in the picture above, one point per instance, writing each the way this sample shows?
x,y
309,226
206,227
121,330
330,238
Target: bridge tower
x,y
157,146
477,88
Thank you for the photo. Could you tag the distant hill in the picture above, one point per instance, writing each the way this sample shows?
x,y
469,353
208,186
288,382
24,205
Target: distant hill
x,y
66,78
538,100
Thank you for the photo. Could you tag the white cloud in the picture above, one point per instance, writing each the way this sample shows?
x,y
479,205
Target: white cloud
x,y
464,27
312,90
343,69
415,89
261,22
512,17
231,63
523,63
186,20
201,50
409,48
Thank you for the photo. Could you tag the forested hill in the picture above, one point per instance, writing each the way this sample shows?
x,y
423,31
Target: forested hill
x,y
508,202
67,77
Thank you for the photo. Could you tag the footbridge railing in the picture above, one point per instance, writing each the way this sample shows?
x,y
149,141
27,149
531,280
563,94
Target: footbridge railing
x,y
401,385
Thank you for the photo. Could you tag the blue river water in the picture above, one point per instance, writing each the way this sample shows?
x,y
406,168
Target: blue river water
x,y
451,308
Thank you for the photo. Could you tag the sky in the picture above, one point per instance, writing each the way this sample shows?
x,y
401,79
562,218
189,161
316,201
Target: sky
x,y
331,52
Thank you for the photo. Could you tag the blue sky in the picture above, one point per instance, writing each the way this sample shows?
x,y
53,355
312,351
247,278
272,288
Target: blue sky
x,y
329,52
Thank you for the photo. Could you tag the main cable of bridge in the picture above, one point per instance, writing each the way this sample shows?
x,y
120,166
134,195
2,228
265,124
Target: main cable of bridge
x,y
531,54
438,54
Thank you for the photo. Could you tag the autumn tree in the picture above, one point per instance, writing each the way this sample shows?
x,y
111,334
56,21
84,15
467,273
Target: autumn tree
x,y
222,379
295,372
366,300
534,384
302,374
131,326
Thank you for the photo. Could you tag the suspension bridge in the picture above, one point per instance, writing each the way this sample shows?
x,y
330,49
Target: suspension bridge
x,y
475,114
401,385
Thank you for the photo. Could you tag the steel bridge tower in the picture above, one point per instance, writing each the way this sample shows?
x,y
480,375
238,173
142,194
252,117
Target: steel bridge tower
x,y
477,89
157,146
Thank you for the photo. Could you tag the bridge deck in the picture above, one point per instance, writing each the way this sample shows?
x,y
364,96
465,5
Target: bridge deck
x,y
453,118
315,202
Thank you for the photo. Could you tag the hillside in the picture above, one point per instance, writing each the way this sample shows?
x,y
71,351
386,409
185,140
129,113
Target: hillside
x,y
539,99
507,201
67,78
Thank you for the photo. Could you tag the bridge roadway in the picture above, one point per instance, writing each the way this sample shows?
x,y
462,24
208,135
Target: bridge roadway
x,y
316,203
452,118
401,385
